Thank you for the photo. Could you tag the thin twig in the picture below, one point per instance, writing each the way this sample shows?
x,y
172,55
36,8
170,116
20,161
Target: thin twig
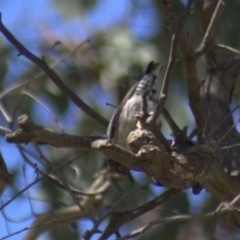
x,y
81,208
221,209
4,113
228,132
68,215
224,119
231,146
34,182
19,99
227,48
46,108
5,129
19,86
190,64
126,195
53,76
210,30
22,191
172,219
55,180
119,218
41,225
110,211
27,191
166,80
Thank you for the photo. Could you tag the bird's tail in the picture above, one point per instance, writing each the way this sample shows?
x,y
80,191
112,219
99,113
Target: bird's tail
x,y
147,84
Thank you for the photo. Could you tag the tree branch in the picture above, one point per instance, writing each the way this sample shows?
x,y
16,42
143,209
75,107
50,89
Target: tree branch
x,y
190,65
177,168
53,76
227,48
208,37
164,91
171,219
68,215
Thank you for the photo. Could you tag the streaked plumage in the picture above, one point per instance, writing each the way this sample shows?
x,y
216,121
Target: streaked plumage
x,y
123,120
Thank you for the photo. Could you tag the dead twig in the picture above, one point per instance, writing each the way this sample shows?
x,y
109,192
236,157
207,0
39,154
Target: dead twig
x,y
90,233
190,65
166,80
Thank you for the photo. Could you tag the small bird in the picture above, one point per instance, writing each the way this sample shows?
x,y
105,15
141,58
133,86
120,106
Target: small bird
x,y
124,120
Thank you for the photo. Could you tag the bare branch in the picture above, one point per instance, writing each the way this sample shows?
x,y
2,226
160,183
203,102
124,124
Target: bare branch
x,y
227,48
4,113
68,215
90,233
20,86
46,108
221,210
172,219
34,231
45,175
190,65
53,76
119,218
166,80
64,182
210,30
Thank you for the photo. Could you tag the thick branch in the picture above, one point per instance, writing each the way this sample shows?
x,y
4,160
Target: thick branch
x,y
178,168
119,218
210,17
190,64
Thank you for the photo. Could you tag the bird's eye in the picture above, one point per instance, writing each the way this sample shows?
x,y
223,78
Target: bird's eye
x,y
120,168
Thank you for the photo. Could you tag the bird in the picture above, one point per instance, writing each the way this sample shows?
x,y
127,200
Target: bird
x,y
124,119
